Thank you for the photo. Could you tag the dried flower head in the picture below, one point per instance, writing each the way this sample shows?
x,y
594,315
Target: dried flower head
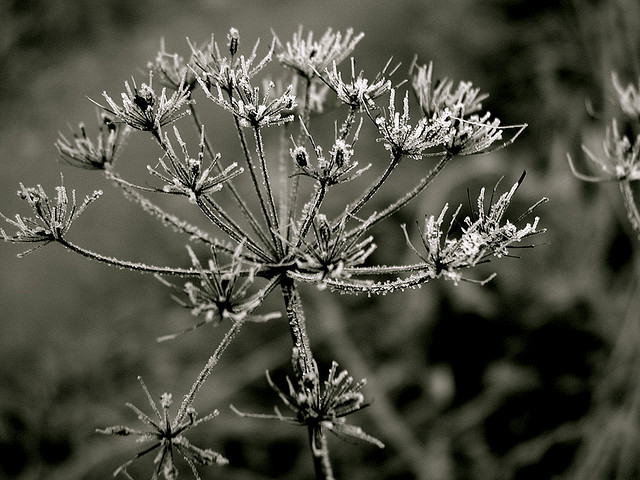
x,y
483,234
168,438
336,167
621,159
172,70
144,110
223,71
322,405
359,93
82,152
189,176
222,292
253,110
403,139
52,219
331,252
307,56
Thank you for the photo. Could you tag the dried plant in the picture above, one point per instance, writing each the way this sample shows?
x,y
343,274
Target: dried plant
x,y
278,232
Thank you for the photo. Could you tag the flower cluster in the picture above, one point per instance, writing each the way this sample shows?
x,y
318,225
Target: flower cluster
x,y
403,139
359,93
189,177
221,293
224,71
337,167
483,234
52,219
621,159
173,71
82,152
253,110
168,438
331,252
144,110
308,56
322,405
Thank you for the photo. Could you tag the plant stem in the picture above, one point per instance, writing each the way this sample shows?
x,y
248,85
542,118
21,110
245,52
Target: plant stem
x,y
321,462
630,205
297,324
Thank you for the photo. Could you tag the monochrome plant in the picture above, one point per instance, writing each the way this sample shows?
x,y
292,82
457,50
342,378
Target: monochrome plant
x,y
278,231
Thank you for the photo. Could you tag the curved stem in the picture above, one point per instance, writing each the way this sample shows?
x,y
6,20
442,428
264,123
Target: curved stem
x,y
135,266
406,198
204,373
308,221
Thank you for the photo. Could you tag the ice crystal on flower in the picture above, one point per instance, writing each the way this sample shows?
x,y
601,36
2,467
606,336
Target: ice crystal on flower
x,y
628,97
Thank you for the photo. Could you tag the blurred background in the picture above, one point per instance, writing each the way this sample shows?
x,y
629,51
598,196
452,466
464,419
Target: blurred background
x,y
533,376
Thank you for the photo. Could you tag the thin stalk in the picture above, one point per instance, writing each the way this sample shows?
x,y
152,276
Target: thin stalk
x,y
308,221
204,373
395,161
267,183
297,323
406,198
321,462
348,123
228,226
630,205
253,222
251,167
135,266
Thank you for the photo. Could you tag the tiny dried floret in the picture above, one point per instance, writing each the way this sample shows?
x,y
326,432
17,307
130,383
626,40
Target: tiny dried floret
x,y
168,437
336,167
322,405
144,110
221,293
224,71
621,159
172,70
359,93
84,153
52,218
308,56
190,176
483,234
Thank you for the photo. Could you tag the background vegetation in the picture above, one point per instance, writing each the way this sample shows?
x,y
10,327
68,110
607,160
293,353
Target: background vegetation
x,y
530,377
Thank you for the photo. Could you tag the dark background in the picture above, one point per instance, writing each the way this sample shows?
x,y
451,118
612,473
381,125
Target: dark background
x,y
530,377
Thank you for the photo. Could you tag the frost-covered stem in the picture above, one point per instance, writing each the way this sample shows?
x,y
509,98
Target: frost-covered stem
x,y
321,461
406,198
256,185
229,227
255,226
297,324
308,221
630,205
348,123
204,373
135,266
267,183
395,160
